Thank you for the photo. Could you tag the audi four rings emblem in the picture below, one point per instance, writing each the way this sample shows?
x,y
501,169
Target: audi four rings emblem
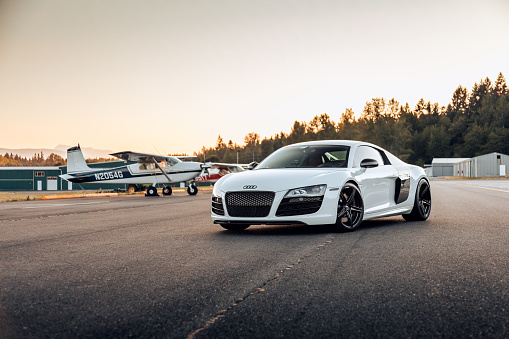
x,y
249,187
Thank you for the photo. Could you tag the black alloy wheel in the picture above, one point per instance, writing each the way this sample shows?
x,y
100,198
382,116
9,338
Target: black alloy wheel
x,y
167,190
192,190
350,208
151,191
422,203
235,227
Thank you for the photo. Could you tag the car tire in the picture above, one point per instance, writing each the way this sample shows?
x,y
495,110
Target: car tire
x,y
235,227
350,208
422,203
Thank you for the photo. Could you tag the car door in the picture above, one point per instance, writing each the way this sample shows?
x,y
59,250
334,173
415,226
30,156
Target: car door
x,y
376,183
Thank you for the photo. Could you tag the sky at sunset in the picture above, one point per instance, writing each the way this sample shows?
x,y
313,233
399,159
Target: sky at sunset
x,y
170,76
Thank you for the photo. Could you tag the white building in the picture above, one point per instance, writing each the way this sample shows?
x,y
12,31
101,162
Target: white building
x,y
444,167
487,165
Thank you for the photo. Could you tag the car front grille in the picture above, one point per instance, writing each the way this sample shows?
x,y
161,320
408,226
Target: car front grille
x,y
217,205
249,204
299,206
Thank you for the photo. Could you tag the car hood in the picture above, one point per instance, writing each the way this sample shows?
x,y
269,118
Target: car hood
x,y
279,179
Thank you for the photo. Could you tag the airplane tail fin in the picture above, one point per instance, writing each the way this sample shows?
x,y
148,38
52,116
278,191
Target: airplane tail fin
x,y
76,161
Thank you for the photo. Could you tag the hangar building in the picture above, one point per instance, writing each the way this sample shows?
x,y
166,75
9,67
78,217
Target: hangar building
x,y
30,178
487,165
444,167
47,178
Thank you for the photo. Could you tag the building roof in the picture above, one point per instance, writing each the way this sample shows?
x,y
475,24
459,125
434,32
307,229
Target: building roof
x,y
30,168
496,153
451,161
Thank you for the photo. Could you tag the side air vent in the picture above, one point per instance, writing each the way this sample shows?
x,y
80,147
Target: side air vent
x,y
299,206
217,205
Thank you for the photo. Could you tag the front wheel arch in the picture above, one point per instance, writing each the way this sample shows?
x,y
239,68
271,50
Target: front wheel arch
x,y
350,211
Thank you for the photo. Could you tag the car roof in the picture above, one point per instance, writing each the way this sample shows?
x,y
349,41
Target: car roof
x,y
331,142
350,143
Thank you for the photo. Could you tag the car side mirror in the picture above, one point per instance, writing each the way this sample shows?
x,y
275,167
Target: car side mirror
x,y
369,163
252,165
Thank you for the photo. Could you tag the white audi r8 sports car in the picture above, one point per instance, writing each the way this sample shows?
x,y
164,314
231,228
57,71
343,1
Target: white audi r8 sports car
x,y
336,182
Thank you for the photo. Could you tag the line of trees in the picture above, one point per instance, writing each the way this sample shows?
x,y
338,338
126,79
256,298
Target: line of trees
x,y
473,123
38,159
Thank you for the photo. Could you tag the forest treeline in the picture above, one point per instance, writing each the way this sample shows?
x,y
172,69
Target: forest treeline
x,y
475,122
38,159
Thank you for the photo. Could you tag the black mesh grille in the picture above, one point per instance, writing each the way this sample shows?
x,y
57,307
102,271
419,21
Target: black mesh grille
x,y
249,204
299,206
217,205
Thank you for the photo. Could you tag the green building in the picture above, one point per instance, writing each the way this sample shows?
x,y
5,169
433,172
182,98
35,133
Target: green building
x,y
30,178
44,178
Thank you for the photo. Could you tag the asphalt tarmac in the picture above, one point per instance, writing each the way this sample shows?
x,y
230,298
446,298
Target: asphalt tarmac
x,y
157,267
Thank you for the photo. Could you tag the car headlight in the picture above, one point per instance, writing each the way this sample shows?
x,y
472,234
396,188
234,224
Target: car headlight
x,y
309,191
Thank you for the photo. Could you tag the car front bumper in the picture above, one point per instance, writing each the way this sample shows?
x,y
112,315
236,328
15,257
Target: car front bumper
x,y
325,215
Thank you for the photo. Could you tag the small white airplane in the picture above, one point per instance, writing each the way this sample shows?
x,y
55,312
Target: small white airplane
x,y
148,169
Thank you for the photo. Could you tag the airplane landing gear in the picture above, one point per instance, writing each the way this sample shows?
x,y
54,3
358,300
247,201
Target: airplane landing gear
x,y
167,190
192,189
151,192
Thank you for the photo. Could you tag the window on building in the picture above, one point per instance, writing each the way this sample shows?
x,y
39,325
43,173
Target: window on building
x,y
39,174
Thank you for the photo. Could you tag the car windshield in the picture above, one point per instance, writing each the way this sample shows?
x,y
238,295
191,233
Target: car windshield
x,y
307,157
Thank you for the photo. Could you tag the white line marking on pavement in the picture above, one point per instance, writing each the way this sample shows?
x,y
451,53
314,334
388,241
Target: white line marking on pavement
x,y
486,188
58,205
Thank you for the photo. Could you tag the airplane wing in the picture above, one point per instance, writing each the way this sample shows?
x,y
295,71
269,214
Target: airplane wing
x,y
140,157
182,157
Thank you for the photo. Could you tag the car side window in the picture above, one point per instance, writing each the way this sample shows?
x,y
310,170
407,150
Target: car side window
x,y
386,159
367,152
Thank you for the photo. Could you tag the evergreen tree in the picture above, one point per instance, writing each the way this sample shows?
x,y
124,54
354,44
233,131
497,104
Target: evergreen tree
x,y
437,143
459,103
475,140
500,87
347,127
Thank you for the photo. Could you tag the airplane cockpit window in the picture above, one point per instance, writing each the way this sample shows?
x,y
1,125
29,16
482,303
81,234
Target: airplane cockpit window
x,y
173,161
147,167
